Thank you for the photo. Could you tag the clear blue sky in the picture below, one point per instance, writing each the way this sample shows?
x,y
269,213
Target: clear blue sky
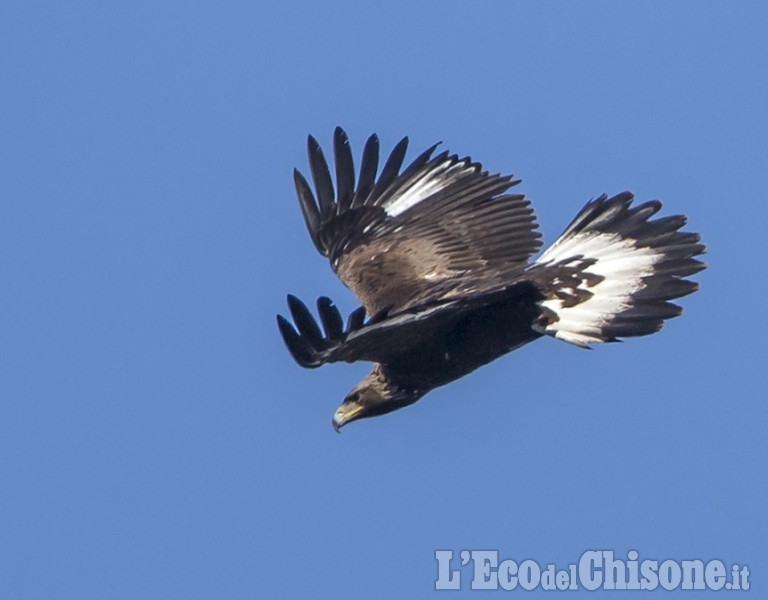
x,y
157,441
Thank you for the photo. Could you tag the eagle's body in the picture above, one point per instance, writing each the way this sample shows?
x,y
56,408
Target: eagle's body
x,y
464,341
439,257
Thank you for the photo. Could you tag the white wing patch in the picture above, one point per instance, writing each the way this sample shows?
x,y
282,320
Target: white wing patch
x,y
430,183
620,268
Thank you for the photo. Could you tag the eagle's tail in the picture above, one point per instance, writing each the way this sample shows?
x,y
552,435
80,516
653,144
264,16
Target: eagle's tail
x,y
613,271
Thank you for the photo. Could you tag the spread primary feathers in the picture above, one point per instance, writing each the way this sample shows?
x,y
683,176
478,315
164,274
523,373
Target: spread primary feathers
x,y
439,256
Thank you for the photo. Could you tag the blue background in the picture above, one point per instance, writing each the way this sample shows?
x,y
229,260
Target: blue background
x,y
157,441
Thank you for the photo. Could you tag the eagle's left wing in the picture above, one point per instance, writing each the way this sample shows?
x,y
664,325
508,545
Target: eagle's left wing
x,y
441,228
382,337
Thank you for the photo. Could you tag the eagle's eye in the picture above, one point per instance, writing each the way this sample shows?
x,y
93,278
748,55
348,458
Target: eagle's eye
x,y
354,397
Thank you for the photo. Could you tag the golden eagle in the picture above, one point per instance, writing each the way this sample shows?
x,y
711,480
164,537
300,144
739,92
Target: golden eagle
x,y
439,256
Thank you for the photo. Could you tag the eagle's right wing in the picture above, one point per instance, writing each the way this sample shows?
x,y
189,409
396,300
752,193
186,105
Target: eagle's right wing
x,y
442,227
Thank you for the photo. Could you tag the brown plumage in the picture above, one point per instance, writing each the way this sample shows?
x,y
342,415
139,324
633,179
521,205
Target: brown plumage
x,y
438,256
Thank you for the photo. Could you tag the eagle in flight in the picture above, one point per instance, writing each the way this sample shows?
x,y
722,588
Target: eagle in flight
x,y
439,255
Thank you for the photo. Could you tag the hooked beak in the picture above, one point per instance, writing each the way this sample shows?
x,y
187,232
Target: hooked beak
x,y
344,414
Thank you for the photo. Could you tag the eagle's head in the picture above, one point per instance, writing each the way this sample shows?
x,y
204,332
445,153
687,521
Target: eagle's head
x,y
375,395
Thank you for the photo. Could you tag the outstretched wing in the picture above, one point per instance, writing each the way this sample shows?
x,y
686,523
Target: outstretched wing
x,y
441,227
381,338
371,340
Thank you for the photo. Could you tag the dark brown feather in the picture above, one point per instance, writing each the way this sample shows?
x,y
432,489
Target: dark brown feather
x,y
402,237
